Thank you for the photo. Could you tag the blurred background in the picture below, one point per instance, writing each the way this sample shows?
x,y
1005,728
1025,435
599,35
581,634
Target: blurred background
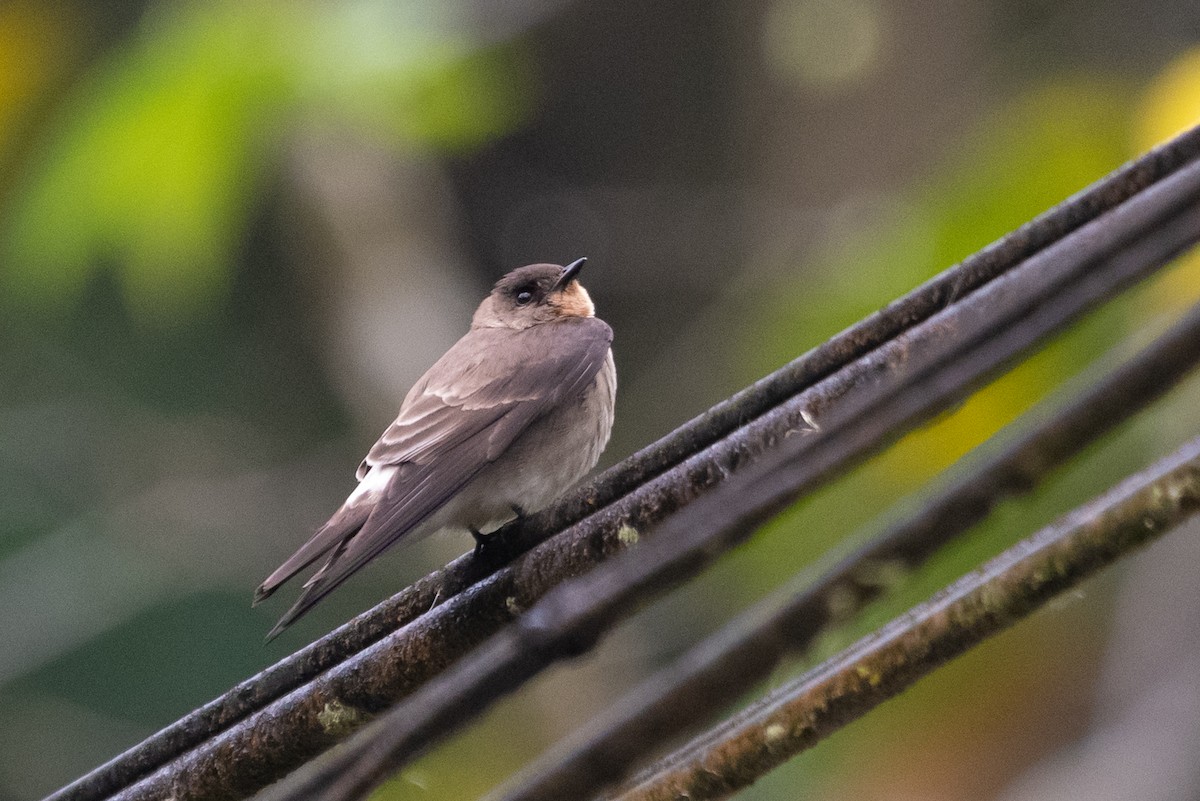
x,y
233,233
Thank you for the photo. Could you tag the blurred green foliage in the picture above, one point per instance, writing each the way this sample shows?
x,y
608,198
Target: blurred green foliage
x,y
1020,160
162,152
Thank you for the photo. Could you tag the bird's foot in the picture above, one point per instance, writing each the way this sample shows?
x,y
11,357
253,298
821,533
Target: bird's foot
x,y
481,540
490,548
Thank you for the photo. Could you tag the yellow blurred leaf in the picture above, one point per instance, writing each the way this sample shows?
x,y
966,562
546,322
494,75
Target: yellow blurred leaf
x,y
1172,105
33,42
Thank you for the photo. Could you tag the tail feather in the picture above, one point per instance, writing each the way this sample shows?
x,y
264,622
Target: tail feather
x,y
313,592
330,537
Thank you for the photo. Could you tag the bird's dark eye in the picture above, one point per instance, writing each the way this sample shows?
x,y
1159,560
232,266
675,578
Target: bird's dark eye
x,y
524,296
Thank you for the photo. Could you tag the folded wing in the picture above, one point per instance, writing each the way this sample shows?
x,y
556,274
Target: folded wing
x,y
461,416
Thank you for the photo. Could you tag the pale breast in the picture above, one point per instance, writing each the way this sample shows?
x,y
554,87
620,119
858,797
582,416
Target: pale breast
x,y
546,459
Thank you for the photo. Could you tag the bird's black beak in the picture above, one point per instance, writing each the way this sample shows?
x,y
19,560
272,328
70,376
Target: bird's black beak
x,y
569,272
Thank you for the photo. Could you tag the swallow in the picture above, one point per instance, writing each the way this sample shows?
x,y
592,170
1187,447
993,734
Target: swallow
x,y
509,417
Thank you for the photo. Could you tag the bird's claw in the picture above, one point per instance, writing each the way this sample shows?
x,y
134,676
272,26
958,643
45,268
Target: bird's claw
x,y
481,540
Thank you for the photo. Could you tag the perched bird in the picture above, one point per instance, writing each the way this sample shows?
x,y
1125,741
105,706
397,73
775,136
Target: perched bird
x,y
514,413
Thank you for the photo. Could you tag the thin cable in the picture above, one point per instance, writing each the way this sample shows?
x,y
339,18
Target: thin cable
x,y
917,375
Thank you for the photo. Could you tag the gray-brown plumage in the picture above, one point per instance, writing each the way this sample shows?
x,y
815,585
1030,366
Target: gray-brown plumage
x,y
514,413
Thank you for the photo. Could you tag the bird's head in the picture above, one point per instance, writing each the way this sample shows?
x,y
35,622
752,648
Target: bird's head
x,y
535,294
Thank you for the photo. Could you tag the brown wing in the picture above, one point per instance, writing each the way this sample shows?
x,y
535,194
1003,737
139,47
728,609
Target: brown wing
x,y
459,417
487,374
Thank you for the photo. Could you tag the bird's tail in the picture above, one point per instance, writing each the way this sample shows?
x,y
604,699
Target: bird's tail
x,y
332,536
